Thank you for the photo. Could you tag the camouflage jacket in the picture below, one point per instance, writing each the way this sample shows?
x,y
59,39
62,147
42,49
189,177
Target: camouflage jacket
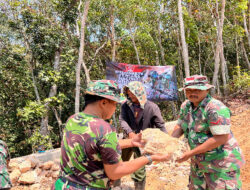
x,y
88,143
4,175
210,118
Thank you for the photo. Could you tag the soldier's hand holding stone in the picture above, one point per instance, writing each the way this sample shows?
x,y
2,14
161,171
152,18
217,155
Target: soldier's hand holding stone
x,y
161,157
137,140
184,157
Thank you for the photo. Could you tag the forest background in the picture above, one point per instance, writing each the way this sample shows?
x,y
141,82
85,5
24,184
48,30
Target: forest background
x,y
50,49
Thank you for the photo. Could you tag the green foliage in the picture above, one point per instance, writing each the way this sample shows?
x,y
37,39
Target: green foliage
x,y
31,112
37,139
240,81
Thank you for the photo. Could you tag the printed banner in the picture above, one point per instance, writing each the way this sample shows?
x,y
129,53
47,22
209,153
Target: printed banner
x,y
159,81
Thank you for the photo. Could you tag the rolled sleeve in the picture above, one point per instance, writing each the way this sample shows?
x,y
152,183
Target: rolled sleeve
x,y
220,129
219,120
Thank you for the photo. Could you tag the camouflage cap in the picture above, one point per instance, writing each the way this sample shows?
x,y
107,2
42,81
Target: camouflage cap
x,y
105,88
196,82
138,90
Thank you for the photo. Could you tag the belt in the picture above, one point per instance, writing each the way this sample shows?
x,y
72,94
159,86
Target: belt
x,y
76,185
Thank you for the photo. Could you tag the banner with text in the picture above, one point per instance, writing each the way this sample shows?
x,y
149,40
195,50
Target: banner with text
x,y
159,81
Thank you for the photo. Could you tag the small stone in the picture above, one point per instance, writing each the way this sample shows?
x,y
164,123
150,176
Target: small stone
x,y
55,167
38,171
55,174
48,165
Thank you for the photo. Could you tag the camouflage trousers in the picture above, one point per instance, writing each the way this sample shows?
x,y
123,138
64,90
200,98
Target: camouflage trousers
x,y
140,174
214,181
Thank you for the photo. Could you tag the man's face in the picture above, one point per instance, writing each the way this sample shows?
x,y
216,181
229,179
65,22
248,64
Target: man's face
x,y
195,95
110,107
132,97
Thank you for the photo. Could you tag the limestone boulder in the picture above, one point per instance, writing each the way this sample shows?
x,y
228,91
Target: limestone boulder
x,y
160,142
28,178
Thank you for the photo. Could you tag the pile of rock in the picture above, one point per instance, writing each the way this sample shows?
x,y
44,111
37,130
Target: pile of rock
x,y
33,173
160,142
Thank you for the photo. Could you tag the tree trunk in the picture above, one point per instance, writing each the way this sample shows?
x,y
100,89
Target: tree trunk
x,y
223,71
53,91
80,59
246,29
112,32
133,41
77,19
159,34
199,43
31,63
182,98
157,58
113,46
183,41
245,54
34,85
237,56
248,15
220,22
218,88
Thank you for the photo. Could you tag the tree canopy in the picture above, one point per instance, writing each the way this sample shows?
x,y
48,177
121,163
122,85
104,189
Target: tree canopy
x,y
40,43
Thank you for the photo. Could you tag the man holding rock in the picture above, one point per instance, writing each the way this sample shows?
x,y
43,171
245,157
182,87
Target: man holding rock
x,y
215,155
137,114
90,150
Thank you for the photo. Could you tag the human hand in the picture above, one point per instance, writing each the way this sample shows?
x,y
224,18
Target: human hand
x,y
184,157
137,140
131,135
161,157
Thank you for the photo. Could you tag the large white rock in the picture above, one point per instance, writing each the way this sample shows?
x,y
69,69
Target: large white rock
x,y
28,178
160,142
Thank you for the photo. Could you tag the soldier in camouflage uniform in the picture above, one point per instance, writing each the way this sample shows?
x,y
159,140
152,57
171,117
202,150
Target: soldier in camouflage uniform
x,y
215,155
4,159
137,114
90,150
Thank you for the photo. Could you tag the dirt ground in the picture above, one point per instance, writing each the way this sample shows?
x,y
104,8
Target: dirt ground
x,y
175,177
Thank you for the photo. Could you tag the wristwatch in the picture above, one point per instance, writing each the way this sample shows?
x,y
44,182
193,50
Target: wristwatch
x,y
149,159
